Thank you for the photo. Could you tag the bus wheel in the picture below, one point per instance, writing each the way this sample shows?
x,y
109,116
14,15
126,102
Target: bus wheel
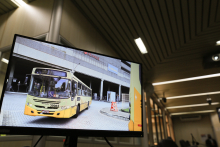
x,y
87,106
77,112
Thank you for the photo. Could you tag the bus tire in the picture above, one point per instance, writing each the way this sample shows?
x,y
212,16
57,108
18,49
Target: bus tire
x,y
87,106
77,112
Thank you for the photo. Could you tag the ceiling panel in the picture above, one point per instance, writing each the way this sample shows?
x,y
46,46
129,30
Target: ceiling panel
x,y
177,33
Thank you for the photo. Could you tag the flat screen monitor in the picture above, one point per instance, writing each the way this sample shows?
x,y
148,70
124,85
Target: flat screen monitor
x,y
52,89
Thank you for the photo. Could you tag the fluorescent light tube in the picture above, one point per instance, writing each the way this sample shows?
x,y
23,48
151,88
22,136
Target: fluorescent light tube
x,y
193,112
192,95
5,60
140,45
19,2
194,105
188,79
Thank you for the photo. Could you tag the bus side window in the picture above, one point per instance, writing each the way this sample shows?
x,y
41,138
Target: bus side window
x,y
86,94
79,89
83,90
74,88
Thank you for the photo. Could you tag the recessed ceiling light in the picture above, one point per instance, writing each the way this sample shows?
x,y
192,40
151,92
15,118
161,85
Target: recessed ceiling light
x,y
5,60
188,79
192,95
19,2
195,105
218,42
140,45
193,112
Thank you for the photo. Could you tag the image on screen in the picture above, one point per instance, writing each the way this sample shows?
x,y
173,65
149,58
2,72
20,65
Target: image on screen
x,y
52,86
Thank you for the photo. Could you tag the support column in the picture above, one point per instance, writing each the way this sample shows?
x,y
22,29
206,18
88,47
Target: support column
x,y
53,35
101,89
150,121
165,124
149,89
11,75
145,139
216,126
119,93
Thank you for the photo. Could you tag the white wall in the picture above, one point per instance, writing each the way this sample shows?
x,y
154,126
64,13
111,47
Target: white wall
x,y
30,20
183,129
78,31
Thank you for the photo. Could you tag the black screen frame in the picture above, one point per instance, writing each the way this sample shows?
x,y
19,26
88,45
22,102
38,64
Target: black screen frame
x,y
61,131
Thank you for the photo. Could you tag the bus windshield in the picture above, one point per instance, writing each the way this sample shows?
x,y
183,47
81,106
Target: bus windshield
x,y
49,87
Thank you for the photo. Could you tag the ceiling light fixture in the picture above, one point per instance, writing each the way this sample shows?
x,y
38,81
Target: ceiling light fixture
x,y
19,2
192,95
141,45
194,105
218,42
188,79
193,112
5,60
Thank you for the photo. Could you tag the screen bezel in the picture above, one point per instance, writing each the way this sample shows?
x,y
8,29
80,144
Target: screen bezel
x,y
61,131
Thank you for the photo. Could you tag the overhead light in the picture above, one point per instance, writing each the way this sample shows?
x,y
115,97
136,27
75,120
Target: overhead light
x,y
192,95
195,105
19,2
218,42
188,79
140,45
216,57
193,112
5,60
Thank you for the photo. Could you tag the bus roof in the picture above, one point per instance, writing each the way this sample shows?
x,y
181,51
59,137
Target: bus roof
x,y
64,71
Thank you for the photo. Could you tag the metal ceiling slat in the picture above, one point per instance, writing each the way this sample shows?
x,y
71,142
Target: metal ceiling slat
x,y
1,11
213,10
149,11
100,28
8,4
206,12
198,9
180,25
125,18
203,39
117,31
166,18
161,24
155,48
186,19
12,4
134,23
173,22
217,19
106,27
3,7
125,29
149,56
192,17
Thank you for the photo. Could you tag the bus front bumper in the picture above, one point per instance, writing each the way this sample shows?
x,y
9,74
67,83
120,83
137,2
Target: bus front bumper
x,y
67,113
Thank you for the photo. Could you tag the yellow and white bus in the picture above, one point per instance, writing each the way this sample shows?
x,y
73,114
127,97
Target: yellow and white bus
x,y
56,93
